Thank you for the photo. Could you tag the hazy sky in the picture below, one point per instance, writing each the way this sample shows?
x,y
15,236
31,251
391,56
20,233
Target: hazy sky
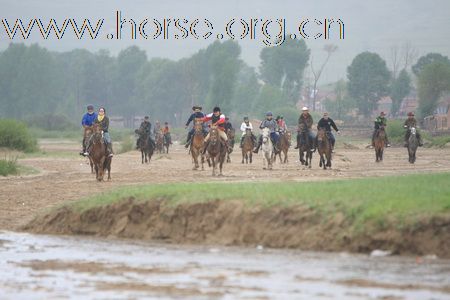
x,y
374,26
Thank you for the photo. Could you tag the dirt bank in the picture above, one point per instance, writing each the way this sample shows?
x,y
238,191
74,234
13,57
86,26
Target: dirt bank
x,y
231,223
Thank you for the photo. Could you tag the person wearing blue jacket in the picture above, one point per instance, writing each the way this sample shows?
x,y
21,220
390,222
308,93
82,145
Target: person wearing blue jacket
x,y
87,121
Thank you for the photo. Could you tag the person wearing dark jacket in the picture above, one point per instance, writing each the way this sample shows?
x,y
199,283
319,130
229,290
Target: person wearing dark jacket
x,y
87,121
327,123
411,122
305,122
103,121
197,114
146,128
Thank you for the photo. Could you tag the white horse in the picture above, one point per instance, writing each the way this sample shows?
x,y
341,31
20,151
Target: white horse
x,y
267,149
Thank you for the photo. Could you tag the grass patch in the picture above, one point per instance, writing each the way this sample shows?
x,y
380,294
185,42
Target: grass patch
x,y
8,166
375,200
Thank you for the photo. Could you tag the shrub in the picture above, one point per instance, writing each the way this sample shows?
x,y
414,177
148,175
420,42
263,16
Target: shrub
x,y
15,135
8,167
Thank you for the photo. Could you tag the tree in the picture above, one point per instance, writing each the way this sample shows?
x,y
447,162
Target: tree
x,y
434,79
428,59
399,90
368,80
402,58
282,67
329,49
343,104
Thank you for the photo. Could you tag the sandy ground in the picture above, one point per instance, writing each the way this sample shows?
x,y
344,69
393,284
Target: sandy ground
x,y
67,177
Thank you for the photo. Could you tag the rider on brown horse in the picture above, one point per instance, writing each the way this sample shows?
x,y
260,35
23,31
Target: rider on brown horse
x,y
411,122
244,126
380,122
305,121
103,122
327,123
166,133
217,119
146,130
87,122
197,114
270,123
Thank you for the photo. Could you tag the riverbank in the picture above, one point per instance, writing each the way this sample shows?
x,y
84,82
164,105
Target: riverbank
x,y
407,215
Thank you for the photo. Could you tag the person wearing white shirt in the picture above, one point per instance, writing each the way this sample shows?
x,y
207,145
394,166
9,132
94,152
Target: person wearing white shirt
x,y
244,126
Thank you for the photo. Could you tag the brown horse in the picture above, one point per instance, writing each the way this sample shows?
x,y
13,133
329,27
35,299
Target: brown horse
x,y
379,142
217,150
304,147
197,144
88,131
230,134
283,146
324,148
145,146
159,140
247,146
98,154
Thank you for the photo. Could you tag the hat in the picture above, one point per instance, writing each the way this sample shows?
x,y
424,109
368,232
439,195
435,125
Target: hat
x,y
90,107
269,113
382,113
245,118
146,117
410,114
195,107
305,108
216,109
325,114
166,123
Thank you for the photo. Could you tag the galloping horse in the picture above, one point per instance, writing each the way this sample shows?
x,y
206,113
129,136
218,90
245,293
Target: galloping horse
x,y
413,143
98,154
166,142
324,148
230,134
145,145
88,131
379,141
159,142
197,143
305,146
216,150
283,145
267,149
247,146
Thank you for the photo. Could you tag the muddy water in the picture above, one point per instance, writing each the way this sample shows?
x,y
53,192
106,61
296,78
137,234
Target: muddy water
x,y
53,267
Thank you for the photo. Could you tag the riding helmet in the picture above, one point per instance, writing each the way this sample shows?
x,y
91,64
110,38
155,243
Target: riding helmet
x,y
216,109
269,113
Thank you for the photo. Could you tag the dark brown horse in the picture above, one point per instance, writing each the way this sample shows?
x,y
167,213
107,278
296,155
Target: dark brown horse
x,y
230,134
324,148
159,140
197,144
167,140
88,131
304,147
283,145
145,146
217,150
379,142
247,146
98,154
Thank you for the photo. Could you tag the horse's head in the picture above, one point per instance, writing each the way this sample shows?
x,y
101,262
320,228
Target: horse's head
x,y
288,135
265,135
321,135
231,134
214,135
198,125
412,130
248,131
301,128
97,134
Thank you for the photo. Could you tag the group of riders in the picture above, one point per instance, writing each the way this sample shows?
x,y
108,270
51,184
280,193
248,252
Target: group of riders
x,y
218,120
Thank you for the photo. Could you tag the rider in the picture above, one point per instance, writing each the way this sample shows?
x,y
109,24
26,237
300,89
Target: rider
x,y
306,121
411,122
327,123
379,122
197,114
166,132
88,121
282,128
217,119
157,127
270,123
146,129
103,121
244,126
228,126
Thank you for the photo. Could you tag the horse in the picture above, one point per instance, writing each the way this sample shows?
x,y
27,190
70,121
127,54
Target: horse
x,y
197,144
166,142
324,148
88,131
247,146
379,142
413,143
267,149
304,147
283,146
230,135
217,150
145,145
159,141
98,154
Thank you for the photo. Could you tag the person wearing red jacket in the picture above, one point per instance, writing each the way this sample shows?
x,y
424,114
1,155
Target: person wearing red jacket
x,y
217,119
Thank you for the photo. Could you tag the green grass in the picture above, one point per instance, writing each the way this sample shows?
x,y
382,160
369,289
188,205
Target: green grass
x,y
15,135
8,167
402,198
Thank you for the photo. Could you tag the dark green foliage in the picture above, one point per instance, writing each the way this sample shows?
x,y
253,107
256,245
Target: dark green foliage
x,y
15,135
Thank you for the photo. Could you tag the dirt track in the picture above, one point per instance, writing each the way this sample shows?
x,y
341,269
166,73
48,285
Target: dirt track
x,y
68,177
